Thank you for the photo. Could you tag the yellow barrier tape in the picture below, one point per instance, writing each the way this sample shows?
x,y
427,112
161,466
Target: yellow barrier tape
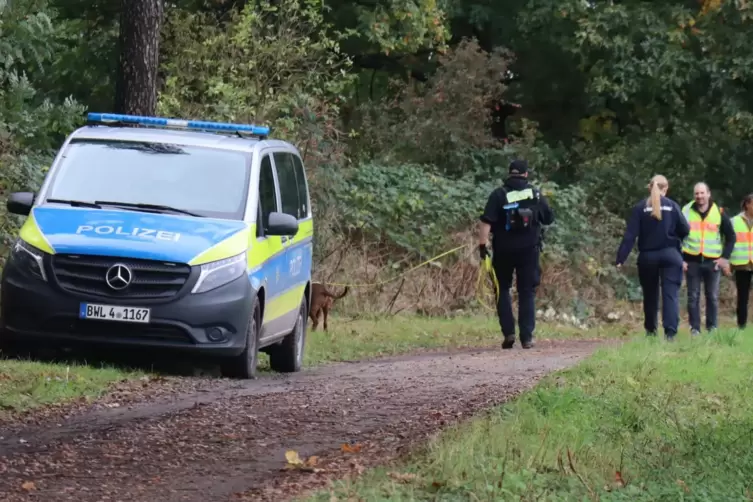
x,y
485,270
397,276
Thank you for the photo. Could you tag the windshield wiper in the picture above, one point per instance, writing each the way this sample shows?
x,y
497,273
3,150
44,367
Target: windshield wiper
x,y
76,203
156,207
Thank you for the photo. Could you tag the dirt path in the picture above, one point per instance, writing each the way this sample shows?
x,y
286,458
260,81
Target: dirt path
x,y
228,441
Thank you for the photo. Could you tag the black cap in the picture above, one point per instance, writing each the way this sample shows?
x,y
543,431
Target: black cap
x,y
518,166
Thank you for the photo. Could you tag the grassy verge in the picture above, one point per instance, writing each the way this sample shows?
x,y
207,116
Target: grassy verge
x,y
647,421
351,339
28,384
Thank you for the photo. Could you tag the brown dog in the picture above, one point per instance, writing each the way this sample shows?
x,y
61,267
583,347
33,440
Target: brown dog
x,y
321,301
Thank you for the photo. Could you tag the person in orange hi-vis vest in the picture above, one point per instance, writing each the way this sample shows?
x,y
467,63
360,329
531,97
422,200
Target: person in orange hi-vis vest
x,y
742,257
705,252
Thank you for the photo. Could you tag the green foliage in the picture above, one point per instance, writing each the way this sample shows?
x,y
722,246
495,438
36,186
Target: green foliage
x,y
31,125
276,63
27,120
665,90
86,57
407,205
442,121
392,26
643,421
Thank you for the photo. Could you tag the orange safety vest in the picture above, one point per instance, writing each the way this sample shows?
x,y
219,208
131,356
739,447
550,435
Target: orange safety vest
x,y
704,237
742,253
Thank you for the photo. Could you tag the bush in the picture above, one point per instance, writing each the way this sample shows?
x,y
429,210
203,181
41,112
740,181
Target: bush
x,y
31,126
441,121
409,206
276,63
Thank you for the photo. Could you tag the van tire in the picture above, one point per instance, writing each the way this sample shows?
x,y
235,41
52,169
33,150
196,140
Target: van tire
x,y
244,365
287,357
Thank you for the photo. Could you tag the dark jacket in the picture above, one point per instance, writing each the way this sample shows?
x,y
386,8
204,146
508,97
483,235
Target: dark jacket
x,y
652,234
726,229
494,215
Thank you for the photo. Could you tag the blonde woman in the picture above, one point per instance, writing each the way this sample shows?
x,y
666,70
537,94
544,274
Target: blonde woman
x,y
660,227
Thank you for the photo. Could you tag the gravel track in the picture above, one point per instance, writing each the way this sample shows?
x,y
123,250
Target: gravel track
x,y
221,440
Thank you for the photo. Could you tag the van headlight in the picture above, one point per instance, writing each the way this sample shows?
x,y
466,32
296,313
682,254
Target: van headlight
x,y
220,272
28,259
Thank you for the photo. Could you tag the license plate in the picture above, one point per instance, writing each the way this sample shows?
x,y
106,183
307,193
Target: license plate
x,y
114,313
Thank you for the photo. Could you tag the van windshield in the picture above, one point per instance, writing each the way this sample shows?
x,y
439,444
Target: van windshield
x,y
205,181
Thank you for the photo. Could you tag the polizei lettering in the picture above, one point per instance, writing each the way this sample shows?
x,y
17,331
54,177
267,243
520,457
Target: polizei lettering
x,y
144,233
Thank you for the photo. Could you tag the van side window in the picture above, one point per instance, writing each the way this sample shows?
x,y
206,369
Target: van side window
x,y
288,185
267,195
300,176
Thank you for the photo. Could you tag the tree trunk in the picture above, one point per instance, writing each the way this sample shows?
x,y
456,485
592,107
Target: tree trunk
x,y
136,87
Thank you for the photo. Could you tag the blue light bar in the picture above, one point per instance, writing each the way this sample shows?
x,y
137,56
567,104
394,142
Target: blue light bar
x,y
106,118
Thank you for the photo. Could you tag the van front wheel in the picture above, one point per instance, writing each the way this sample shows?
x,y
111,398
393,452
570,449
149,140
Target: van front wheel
x,y
244,364
288,356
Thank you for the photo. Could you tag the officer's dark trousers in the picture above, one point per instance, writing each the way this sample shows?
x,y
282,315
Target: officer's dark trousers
x,y
742,282
525,264
661,268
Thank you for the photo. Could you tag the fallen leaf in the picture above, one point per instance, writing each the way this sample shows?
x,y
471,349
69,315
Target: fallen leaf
x,y
682,485
295,462
351,448
618,481
29,486
292,457
357,467
404,477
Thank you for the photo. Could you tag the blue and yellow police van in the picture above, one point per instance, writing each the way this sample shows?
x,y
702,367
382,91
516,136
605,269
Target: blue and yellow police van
x,y
163,233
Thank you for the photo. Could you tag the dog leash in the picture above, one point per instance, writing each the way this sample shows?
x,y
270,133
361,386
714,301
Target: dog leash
x,y
399,276
485,270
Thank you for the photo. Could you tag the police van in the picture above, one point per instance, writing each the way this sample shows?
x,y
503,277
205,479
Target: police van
x,y
162,233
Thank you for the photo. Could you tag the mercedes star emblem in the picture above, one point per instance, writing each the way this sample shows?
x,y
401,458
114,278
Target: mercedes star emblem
x,y
118,276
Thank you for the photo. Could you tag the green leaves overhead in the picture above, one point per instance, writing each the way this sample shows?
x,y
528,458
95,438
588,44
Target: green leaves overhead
x,y
404,26
390,27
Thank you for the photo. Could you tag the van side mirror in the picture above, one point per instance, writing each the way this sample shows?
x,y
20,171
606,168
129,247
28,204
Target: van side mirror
x,y
281,224
20,203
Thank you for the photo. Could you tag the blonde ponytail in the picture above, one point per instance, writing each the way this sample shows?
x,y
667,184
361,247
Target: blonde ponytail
x,y
656,186
656,202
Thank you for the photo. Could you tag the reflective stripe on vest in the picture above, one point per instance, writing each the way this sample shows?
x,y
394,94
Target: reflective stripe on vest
x,y
742,253
704,237
519,195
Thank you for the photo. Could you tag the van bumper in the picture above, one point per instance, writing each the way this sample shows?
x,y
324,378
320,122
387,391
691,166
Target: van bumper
x,y
39,313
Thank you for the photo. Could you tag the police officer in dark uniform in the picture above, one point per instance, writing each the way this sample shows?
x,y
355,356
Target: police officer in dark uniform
x,y
515,214
660,227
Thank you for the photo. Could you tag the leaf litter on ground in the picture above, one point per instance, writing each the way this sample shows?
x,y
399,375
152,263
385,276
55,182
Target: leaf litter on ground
x,y
295,462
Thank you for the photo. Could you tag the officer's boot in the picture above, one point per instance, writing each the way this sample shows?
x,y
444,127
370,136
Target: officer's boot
x,y
508,342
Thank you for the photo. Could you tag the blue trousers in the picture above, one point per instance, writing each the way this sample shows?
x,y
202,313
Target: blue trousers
x,y
703,272
525,264
661,269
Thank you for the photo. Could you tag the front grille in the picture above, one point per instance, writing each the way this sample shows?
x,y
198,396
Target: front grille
x,y
110,329
151,279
